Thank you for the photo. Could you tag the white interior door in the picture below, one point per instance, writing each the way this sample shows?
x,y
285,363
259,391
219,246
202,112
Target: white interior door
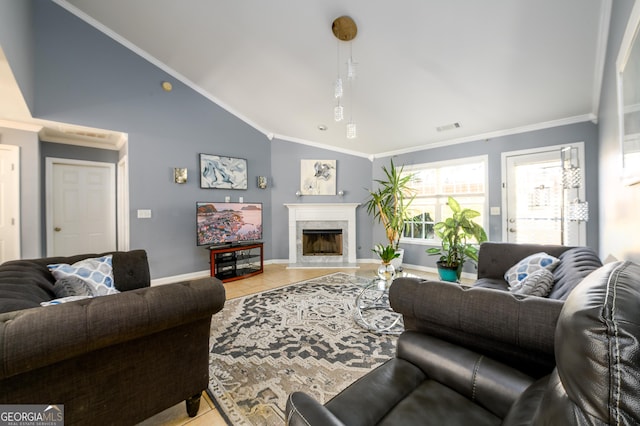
x,y
81,207
9,202
535,199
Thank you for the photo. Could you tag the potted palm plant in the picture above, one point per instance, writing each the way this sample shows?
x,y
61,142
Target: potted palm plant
x,y
460,237
389,204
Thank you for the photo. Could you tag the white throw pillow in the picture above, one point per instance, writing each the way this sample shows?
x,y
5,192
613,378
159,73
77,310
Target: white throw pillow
x,y
530,264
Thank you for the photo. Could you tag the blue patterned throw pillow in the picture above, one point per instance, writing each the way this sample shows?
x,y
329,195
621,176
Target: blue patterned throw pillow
x,y
96,272
530,264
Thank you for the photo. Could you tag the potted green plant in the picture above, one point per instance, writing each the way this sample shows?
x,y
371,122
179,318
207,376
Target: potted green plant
x,y
389,204
460,237
386,270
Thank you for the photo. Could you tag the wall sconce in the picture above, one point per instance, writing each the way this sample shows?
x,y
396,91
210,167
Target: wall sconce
x,y
180,174
298,193
341,193
262,182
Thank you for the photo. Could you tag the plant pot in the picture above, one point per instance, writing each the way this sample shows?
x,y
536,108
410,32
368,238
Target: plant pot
x,y
397,262
449,273
386,272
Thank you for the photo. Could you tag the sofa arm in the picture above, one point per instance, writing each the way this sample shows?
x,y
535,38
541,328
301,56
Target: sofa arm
x,y
303,410
515,330
493,385
38,337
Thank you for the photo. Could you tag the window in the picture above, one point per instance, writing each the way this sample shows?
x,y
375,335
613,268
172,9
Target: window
x,y
464,179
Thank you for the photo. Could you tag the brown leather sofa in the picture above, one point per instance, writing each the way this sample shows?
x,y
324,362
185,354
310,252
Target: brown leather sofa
x,y
115,359
432,381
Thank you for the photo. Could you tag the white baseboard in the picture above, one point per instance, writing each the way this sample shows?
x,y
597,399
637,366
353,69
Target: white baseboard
x,y
180,278
204,274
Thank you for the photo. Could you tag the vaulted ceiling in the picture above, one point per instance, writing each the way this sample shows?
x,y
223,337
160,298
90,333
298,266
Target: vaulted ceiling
x,y
492,66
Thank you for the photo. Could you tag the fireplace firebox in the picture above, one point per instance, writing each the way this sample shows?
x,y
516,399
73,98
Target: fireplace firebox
x,y
322,242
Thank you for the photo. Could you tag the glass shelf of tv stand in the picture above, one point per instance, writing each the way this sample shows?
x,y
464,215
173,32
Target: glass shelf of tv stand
x,y
236,262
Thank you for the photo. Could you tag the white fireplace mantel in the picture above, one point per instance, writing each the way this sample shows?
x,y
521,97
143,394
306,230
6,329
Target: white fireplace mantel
x,y
323,212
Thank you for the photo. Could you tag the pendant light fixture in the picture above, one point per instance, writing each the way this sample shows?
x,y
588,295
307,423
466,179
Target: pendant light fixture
x,y
345,30
338,91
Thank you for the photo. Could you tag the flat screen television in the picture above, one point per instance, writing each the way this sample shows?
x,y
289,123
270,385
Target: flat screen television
x,y
220,224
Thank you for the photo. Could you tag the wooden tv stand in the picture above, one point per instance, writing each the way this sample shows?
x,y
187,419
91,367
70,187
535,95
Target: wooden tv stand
x,y
236,262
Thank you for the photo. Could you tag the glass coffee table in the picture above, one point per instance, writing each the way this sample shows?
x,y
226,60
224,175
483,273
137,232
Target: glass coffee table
x,y
372,310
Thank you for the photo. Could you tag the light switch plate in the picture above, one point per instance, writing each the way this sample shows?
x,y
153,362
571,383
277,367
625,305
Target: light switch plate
x,y
144,214
495,211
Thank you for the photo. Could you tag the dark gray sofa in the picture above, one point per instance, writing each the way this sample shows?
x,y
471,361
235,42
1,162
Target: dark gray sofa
x,y
494,259
114,359
462,314
436,382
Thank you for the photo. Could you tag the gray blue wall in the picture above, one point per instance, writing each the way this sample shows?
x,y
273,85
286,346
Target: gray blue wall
x,y
84,77
81,76
16,40
493,148
353,177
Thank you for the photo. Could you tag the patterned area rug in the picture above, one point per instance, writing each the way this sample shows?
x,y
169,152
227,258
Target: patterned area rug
x,y
299,337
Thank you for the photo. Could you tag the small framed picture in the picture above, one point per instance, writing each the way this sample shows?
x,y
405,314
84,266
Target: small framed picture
x,y
220,172
318,177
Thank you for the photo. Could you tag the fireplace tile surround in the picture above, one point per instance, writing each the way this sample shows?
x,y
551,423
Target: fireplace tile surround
x,y
322,216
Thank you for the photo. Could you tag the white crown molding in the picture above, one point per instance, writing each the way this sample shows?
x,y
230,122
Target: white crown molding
x,y
322,146
601,53
270,135
153,60
496,134
20,125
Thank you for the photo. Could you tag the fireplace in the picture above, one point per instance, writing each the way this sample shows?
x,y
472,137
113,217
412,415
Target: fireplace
x,y
330,228
322,242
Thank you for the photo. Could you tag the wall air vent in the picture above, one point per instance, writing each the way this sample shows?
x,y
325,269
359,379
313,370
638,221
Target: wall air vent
x,y
448,127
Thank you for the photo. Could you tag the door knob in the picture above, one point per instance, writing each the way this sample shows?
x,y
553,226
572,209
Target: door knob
x,y
512,229
57,229
512,220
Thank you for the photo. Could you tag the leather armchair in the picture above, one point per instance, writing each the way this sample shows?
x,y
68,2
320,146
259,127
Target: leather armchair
x,y
435,382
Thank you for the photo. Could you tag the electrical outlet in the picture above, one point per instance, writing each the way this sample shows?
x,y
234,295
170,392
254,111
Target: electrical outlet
x,y
240,199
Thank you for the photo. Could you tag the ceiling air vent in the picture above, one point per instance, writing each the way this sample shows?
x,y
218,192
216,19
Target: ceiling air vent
x,y
84,134
448,127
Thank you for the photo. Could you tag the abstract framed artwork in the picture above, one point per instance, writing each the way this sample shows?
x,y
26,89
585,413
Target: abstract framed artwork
x,y
220,172
318,177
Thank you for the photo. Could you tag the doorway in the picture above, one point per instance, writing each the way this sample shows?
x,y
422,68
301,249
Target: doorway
x,y
9,203
537,199
80,206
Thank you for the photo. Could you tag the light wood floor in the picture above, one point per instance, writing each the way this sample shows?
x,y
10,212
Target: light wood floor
x,y
274,276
